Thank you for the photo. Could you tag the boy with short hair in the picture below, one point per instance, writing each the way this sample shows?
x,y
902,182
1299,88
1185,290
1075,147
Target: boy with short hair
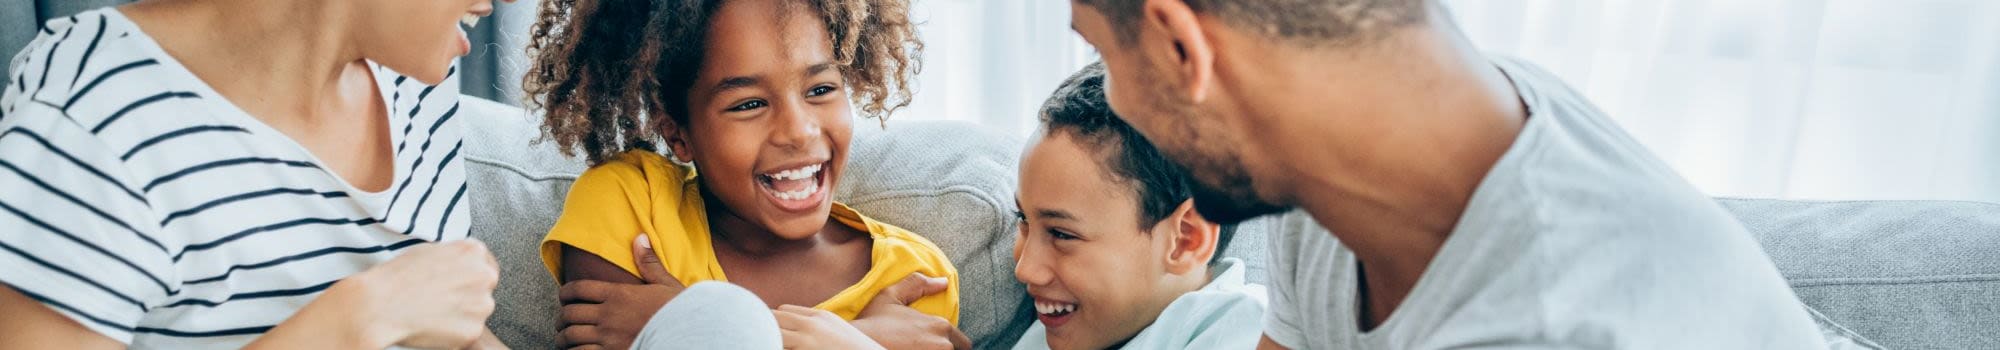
x,y
1111,249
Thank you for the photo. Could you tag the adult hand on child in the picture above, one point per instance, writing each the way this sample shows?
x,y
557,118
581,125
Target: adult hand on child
x,y
434,296
891,321
606,315
809,328
487,341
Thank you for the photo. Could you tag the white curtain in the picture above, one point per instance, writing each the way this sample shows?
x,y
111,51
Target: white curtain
x,y
1811,99
993,61
1817,99
1808,99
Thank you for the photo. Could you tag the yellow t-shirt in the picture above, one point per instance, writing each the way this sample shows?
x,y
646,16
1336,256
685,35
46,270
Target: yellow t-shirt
x,y
641,191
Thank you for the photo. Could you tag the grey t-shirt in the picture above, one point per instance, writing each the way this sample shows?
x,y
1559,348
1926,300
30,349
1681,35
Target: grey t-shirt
x,y
1577,238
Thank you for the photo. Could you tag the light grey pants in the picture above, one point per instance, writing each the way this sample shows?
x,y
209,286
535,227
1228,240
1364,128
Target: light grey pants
x,y
711,315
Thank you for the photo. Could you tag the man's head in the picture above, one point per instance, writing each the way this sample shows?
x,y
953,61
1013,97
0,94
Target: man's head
x,y
1108,236
1170,68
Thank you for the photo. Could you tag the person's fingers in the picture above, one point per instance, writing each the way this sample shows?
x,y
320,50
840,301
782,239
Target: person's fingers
x,y
578,335
585,291
958,339
575,314
795,309
650,268
491,261
789,321
791,339
915,286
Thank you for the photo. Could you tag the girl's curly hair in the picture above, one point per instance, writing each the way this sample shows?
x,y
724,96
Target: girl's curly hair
x,y
612,75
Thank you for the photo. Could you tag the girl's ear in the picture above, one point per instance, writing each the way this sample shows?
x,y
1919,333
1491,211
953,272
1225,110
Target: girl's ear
x,y
677,144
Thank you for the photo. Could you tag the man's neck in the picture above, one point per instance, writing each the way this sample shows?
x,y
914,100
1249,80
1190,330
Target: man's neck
x,y
1390,164
278,60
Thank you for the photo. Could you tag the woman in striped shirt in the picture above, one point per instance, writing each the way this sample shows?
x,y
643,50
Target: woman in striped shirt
x,y
240,173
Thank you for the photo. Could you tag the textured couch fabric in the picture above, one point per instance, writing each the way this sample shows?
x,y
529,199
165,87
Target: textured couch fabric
x,y
1905,274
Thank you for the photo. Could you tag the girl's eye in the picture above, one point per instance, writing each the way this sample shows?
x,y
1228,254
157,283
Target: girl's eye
x,y
748,105
1061,236
820,90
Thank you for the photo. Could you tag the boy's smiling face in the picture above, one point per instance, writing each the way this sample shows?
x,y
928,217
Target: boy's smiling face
x,y
1097,278
770,117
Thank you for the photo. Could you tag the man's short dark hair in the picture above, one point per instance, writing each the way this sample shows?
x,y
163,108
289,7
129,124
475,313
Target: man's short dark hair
x,y
1316,22
1079,109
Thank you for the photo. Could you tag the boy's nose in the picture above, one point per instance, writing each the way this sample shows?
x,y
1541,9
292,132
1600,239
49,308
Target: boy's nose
x,y
1029,269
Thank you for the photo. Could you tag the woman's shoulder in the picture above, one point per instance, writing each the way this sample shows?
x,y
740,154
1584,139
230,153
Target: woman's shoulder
x,y
95,53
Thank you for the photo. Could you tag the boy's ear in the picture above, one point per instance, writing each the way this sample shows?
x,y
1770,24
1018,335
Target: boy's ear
x,y
1194,239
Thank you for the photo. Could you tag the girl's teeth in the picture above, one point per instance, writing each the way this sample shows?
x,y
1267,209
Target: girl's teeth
x,y
799,194
469,20
796,174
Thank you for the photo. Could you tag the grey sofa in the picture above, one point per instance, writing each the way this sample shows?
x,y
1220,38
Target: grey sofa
x,y
1904,274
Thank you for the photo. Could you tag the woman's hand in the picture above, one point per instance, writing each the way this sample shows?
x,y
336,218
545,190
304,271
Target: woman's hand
x,y
892,323
809,328
607,315
488,341
433,296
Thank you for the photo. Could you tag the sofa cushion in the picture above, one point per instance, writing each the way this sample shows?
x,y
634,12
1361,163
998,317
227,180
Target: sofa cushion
x,y
1905,274
517,191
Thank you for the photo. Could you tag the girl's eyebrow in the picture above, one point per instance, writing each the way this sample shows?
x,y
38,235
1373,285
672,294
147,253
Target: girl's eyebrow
x,y
816,69
731,83
738,82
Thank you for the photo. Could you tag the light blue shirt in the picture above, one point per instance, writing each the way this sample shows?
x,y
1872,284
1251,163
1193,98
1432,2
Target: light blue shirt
x,y
1228,313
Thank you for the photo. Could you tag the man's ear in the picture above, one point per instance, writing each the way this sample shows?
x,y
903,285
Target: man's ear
x,y
1193,56
1194,239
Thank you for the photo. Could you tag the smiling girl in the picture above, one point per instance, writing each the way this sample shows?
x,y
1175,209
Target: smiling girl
x,y
755,98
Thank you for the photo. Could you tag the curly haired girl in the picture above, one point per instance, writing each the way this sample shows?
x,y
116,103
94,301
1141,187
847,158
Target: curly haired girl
x,y
755,101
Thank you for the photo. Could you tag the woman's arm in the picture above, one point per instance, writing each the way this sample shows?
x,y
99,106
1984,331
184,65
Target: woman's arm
x,y
31,325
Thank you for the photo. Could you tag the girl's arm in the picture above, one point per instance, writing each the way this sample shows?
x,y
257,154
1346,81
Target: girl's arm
x,y
605,306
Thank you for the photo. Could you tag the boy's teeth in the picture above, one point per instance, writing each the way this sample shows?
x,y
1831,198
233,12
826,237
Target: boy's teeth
x,y
469,20
1047,308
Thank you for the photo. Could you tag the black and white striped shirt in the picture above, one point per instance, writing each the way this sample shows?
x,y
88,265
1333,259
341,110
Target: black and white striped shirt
x,y
138,202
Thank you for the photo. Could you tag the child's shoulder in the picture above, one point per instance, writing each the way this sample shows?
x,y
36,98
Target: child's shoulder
x,y
901,243
635,166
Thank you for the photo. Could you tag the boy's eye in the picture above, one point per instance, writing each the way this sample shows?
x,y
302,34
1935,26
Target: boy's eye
x,y
820,90
748,105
